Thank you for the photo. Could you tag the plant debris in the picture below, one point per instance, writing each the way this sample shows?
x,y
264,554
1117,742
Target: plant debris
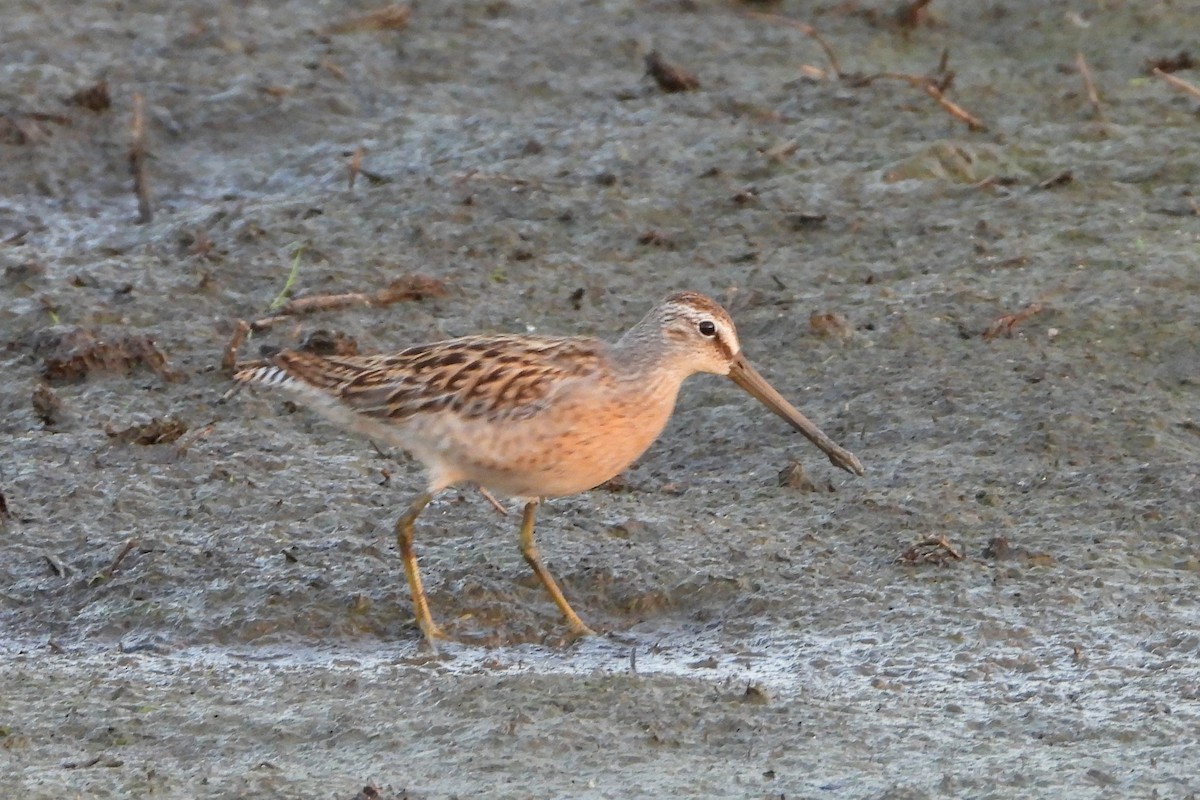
x,y
72,353
1172,63
999,549
1089,86
409,287
912,14
93,98
935,84
388,18
1178,83
793,476
669,77
137,161
324,342
28,128
930,550
157,431
1006,323
47,405
831,325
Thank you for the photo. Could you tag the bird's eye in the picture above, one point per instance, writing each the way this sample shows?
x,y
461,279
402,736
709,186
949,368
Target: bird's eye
x,y
707,328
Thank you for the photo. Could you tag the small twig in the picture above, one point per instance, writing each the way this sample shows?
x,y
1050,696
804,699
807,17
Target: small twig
x,y
1089,86
807,30
281,298
1178,83
111,569
972,122
394,17
181,446
1006,324
935,88
491,499
411,287
240,329
137,161
355,165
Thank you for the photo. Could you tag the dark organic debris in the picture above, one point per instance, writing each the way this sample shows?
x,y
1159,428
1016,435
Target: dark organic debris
x,y
656,238
911,14
72,353
804,220
1172,63
997,549
1058,179
93,98
669,77
1000,549
756,695
831,325
156,431
46,404
793,476
329,343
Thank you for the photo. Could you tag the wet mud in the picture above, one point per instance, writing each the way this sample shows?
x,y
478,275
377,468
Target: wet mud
x,y
201,594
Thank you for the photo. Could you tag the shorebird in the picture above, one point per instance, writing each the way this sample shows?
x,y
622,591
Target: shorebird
x,y
527,416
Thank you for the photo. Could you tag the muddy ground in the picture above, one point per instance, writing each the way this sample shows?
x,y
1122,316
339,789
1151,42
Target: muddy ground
x,y
224,615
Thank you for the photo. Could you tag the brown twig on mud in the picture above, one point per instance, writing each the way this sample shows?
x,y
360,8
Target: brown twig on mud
x,y
185,442
669,77
393,18
410,287
355,165
229,360
935,85
1178,83
27,128
807,30
972,122
137,161
1089,85
491,499
930,550
111,569
1005,324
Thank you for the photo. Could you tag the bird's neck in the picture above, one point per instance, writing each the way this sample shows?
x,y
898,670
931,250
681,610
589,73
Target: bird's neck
x,y
642,359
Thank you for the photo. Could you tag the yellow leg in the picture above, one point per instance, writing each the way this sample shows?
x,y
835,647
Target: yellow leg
x,y
404,538
530,551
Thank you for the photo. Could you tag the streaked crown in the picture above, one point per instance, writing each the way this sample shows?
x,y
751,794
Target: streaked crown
x,y
694,330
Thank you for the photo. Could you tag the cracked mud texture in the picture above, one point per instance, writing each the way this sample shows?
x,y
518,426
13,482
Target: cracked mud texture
x,y
766,639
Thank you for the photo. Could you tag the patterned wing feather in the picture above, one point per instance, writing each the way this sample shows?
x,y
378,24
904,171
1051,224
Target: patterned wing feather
x,y
477,376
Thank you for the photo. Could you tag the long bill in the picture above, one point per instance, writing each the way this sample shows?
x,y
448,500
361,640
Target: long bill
x,y
747,377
